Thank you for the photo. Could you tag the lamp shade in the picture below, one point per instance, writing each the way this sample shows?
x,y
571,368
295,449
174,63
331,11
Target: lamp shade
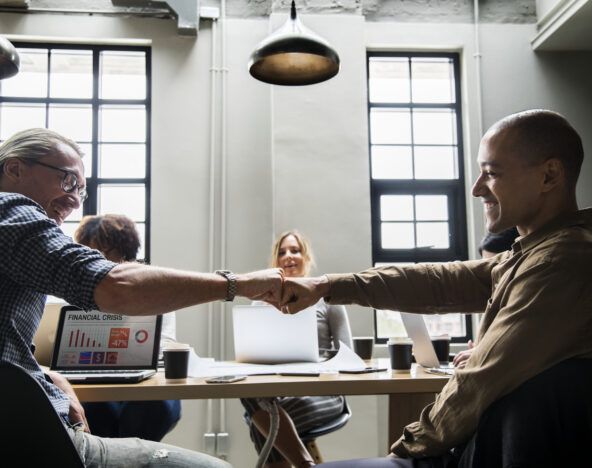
x,y
9,59
293,55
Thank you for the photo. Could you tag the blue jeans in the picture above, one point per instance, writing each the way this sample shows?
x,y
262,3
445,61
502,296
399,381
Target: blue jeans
x,y
98,452
149,420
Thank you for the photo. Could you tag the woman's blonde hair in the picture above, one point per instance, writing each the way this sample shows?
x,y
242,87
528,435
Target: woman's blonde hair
x,y
305,250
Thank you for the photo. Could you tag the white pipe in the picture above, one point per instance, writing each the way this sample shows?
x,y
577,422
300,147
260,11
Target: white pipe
x,y
272,155
272,164
212,205
223,183
477,56
479,104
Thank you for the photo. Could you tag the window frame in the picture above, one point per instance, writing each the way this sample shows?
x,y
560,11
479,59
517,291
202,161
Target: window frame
x,y
454,189
94,181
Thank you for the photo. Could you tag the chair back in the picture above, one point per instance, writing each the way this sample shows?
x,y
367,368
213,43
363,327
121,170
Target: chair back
x,y
32,433
331,426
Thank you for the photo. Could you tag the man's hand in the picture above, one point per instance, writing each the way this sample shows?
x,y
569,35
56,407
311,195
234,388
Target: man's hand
x,y
300,293
76,414
460,360
263,285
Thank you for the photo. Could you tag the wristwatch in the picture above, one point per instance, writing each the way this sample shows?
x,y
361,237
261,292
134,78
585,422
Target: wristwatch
x,y
230,285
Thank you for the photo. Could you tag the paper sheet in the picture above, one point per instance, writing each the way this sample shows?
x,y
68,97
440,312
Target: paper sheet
x,y
345,359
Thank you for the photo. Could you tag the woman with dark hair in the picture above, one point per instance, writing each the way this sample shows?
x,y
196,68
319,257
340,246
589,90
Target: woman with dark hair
x,y
117,238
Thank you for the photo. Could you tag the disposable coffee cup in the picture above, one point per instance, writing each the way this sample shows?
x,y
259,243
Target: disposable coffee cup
x,y
400,352
363,346
176,362
442,347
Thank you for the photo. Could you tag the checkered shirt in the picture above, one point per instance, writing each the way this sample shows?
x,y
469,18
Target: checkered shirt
x,y
36,259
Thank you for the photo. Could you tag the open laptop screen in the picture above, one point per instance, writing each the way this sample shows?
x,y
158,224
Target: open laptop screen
x,y
98,340
263,335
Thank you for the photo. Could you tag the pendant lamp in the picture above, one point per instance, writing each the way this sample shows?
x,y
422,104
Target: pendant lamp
x,y
293,55
9,59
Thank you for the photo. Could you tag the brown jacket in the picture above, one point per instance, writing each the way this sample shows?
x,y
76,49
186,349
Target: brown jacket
x,y
537,303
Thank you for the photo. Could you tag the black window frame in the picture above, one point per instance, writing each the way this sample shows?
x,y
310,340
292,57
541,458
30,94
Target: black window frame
x,y
453,188
94,181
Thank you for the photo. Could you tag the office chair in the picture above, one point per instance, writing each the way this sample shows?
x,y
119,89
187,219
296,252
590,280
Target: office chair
x,y
309,438
32,433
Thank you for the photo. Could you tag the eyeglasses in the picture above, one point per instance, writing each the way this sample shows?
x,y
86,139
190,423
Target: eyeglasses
x,y
69,182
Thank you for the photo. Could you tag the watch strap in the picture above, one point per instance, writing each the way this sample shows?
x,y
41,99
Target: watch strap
x,y
230,283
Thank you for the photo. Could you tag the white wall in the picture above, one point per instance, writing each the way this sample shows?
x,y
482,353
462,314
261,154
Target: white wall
x,y
308,146
543,7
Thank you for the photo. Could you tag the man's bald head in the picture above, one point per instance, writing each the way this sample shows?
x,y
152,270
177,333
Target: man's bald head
x,y
538,135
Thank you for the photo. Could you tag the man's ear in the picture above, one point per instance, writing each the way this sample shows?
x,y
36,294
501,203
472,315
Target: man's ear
x,y
12,170
554,174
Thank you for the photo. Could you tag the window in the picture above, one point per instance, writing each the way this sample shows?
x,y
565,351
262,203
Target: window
x,y
416,161
99,96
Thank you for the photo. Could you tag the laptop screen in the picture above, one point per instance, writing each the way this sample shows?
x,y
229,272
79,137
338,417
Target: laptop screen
x,y
99,340
262,334
417,330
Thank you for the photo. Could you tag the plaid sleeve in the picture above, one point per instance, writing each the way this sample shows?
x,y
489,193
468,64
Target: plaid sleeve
x,y
36,254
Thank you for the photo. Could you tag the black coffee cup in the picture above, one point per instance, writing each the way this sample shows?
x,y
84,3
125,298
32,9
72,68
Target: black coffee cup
x,y
363,346
176,363
442,347
400,351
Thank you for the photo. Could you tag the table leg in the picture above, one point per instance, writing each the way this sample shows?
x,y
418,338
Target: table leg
x,y
405,408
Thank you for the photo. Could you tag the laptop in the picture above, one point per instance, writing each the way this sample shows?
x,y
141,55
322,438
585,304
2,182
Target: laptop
x,y
423,349
264,335
99,347
45,335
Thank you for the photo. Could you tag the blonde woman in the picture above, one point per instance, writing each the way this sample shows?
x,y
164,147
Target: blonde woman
x,y
293,254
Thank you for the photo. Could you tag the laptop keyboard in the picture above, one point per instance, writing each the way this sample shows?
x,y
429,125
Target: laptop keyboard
x,y
441,370
105,371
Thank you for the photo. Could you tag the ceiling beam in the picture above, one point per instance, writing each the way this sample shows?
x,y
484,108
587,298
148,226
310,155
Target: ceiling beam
x,y
186,12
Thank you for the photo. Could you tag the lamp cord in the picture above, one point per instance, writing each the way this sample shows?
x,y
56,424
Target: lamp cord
x,y
269,405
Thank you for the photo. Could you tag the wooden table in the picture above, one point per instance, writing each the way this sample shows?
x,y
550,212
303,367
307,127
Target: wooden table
x,y
408,393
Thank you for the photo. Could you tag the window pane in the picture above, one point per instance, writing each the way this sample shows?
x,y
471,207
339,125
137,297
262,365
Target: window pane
x,y
435,162
389,324
86,158
123,124
433,80
31,80
396,208
122,161
434,235
123,75
392,162
431,207
17,117
397,236
76,215
123,199
68,228
435,126
142,232
389,79
390,126
71,74
72,121
446,324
